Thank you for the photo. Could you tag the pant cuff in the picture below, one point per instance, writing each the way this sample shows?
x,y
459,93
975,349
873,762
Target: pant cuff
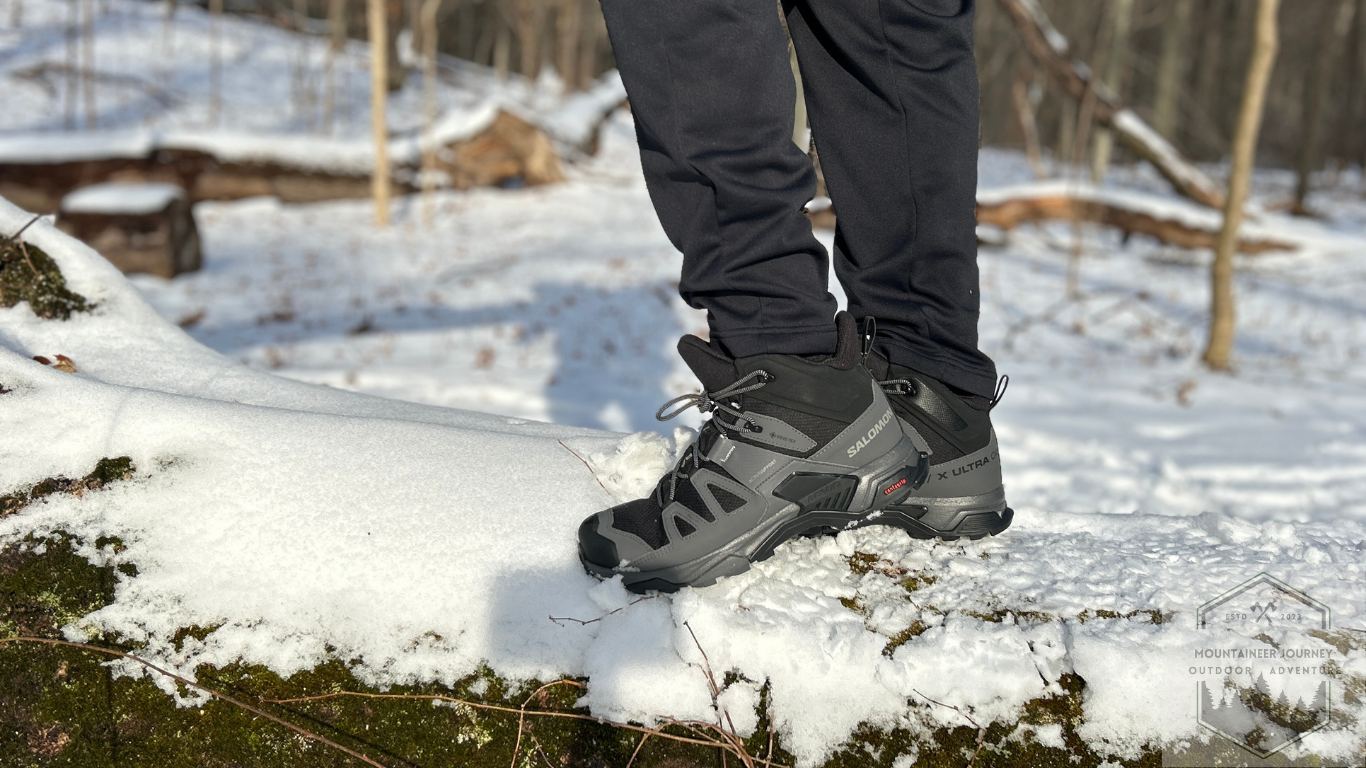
x,y
810,340
974,381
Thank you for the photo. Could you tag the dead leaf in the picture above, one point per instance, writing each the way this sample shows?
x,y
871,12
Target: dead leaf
x,y
1183,393
42,360
64,364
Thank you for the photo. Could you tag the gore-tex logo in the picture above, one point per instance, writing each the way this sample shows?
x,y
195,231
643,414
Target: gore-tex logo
x,y
872,433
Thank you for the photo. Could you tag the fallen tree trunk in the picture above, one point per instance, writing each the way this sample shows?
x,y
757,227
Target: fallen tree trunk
x,y
1050,49
1170,221
486,148
1007,211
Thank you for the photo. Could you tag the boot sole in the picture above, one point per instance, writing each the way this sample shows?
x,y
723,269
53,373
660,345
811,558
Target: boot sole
x,y
972,517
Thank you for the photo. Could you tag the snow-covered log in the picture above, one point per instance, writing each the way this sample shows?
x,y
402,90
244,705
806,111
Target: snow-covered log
x,y
1050,48
138,227
1133,213
480,147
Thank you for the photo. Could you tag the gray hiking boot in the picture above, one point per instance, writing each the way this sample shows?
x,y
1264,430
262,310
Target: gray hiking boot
x,y
963,494
796,445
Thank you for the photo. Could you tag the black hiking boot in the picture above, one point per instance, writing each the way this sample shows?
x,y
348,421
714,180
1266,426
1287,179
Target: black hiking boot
x,y
963,494
796,445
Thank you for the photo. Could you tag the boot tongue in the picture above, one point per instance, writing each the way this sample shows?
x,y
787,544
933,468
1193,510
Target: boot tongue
x,y
713,368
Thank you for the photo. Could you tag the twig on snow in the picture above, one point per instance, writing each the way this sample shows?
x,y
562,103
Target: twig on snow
x,y
30,223
585,622
585,463
730,734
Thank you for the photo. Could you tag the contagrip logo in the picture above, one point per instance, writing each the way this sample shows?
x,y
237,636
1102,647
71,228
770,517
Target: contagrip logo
x,y
872,433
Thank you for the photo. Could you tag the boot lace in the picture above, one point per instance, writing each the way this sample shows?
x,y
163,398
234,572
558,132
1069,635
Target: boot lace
x,y
721,401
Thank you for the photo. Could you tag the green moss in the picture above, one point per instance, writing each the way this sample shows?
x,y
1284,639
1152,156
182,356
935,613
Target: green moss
x,y
1000,615
916,629
29,274
106,471
1152,616
917,581
63,707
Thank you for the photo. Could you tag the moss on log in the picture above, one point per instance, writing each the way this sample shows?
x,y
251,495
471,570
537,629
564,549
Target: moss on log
x,y
29,274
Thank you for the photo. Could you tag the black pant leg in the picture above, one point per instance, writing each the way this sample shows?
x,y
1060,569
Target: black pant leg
x,y
712,94
892,97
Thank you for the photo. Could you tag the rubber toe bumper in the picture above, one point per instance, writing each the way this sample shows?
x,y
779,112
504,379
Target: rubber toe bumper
x,y
594,547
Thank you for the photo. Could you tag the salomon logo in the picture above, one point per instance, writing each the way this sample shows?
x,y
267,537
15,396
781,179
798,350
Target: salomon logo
x,y
872,433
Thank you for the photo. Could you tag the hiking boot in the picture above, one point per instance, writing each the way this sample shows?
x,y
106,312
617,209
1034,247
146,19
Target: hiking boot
x,y
963,494
795,445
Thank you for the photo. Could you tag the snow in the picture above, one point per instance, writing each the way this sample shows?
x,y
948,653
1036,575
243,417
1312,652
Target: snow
x,y
381,443
122,198
153,93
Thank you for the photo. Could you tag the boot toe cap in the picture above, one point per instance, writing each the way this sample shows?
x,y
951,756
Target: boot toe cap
x,y
596,548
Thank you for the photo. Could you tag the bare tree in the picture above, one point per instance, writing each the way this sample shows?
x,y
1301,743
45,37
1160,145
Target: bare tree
x,y
215,60
1355,139
1024,96
72,64
1170,67
568,37
530,16
16,13
380,186
1221,327
430,9
88,62
336,33
1116,59
502,47
1333,28
1050,49
594,31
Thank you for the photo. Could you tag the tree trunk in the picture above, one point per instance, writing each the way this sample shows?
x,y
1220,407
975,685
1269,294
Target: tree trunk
x,y
429,50
1353,62
530,16
1050,49
502,50
1122,14
1221,327
1333,28
1029,126
88,62
215,61
1170,67
1211,31
336,34
16,13
569,34
594,30
395,70
379,94
72,65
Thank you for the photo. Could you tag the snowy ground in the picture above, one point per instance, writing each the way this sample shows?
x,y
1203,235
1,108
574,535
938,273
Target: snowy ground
x,y
421,541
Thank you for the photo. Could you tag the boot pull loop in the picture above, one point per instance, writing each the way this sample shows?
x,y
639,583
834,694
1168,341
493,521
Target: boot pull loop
x,y
1001,385
869,334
